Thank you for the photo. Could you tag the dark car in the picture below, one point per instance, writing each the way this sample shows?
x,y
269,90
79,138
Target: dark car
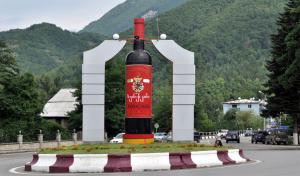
x,y
259,136
277,136
197,136
249,132
233,136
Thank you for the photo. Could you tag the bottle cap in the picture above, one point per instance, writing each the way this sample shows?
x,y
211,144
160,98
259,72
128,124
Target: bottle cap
x,y
139,28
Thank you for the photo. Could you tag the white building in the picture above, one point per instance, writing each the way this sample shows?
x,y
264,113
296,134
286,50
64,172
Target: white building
x,y
244,105
58,107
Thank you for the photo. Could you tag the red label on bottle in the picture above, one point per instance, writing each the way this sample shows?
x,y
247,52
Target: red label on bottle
x,y
138,91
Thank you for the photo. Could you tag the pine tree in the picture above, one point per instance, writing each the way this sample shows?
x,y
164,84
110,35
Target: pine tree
x,y
283,84
8,66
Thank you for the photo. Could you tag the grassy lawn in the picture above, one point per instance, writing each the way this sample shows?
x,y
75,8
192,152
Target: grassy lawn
x,y
130,148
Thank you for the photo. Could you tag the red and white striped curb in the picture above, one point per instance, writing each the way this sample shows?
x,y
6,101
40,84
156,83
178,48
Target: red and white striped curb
x,y
132,162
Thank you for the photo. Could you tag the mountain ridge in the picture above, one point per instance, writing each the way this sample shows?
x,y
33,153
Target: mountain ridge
x,y
42,47
119,18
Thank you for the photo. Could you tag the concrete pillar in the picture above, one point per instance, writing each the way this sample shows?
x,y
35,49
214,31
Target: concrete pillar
x,y
74,137
20,139
40,139
295,131
58,138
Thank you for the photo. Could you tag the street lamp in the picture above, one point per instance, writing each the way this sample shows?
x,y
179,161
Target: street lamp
x,y
264,99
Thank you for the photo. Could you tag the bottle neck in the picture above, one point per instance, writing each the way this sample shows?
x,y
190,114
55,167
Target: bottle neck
x,y
138,44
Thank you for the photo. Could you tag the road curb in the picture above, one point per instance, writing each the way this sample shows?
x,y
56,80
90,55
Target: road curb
x,y
53,163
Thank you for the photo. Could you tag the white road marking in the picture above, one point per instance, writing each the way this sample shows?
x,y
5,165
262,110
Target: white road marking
x,y
14,170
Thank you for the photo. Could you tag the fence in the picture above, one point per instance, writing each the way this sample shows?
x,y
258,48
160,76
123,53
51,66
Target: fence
x,y
20,145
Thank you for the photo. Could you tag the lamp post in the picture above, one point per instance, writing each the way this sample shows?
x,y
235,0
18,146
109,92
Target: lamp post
x,y
264,99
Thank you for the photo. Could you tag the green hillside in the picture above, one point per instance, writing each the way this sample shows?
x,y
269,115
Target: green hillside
x,y
42,47
230,38
119,19
231,41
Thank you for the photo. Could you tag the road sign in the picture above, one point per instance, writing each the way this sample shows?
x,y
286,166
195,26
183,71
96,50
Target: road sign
x,y
156,125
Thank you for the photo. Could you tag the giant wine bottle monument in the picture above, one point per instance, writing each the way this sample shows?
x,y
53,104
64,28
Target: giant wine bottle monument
x,y
138,104
138,85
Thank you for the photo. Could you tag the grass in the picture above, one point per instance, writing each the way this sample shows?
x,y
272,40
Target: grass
x,y
130,148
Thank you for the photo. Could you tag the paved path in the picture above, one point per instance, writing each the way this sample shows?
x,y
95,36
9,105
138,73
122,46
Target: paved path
x,y
274,162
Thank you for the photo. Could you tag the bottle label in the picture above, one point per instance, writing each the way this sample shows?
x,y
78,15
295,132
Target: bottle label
x,y
138,101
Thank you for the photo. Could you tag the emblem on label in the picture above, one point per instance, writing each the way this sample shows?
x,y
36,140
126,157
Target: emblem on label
x,y
137,85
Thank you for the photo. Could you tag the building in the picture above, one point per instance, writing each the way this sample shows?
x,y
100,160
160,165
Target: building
x,y
59,105
244,105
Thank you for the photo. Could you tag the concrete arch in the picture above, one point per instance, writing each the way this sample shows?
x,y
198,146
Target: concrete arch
x,y
183,88
93,89
93,86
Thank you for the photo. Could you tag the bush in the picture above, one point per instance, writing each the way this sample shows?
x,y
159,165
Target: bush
x,y
9,130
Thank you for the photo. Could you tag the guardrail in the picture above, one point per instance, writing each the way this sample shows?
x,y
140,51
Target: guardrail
x,y
212,135
208,135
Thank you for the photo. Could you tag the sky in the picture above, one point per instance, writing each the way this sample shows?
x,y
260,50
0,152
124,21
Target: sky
x,y
72,15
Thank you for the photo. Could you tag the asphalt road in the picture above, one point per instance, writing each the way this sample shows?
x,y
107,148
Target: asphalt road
x,y
270,161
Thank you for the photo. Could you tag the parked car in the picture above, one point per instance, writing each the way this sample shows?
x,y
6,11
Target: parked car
x,y
249,132
169,137
160,137
197,136
222,133
118,139
259,136
233,136
277,136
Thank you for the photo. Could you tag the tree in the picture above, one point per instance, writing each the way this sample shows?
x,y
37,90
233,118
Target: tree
x,y
247,119
8,66
20,98
114,96
20,102
162,108
47,86
75,117
283,84
19,95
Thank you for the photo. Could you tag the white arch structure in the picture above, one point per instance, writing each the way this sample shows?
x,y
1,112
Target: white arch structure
x,y
93,88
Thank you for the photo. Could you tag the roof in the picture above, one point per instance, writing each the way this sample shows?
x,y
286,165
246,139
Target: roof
x,y
242,101
60,104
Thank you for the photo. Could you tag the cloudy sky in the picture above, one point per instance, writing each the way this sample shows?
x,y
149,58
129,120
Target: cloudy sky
x,y
67,14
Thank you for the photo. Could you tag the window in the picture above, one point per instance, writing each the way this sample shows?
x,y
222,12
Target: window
x,y
249,106
234,106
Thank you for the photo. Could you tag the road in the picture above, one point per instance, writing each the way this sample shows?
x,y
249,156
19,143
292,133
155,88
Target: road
x,y
270,161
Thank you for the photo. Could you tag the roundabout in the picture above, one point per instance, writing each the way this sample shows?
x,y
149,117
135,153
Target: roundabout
x,y
54,163
266,160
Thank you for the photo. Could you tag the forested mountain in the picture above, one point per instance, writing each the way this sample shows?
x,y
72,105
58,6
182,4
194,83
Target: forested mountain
x,y
43,47
119,19
231,41
230,38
